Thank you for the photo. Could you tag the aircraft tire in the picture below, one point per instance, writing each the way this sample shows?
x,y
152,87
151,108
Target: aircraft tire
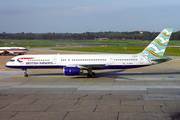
x,y
89,75
93,75
26,75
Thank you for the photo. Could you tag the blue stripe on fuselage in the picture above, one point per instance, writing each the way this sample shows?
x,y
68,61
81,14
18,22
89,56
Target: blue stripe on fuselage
x,y
58,66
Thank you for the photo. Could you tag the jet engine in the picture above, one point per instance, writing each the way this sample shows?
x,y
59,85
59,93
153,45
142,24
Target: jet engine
x,y
71,71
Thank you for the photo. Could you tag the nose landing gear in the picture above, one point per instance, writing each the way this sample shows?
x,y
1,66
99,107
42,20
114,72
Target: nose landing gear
x,y
25,73
90,74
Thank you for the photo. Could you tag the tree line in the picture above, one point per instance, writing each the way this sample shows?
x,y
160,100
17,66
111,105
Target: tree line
x,y
86,35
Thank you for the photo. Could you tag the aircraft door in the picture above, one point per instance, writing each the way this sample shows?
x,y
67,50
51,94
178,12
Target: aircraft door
x,y
54,60
111,61
141,60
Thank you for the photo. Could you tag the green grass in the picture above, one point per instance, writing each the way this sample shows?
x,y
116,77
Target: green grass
x,y
2,43
29,44
174,42
82,41
128,41
106,49
171,51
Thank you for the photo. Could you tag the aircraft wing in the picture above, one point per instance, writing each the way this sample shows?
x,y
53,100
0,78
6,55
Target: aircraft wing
x,y
86,66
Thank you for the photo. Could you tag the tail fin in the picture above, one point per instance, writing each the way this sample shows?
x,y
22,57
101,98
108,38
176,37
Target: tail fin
x,y
156,49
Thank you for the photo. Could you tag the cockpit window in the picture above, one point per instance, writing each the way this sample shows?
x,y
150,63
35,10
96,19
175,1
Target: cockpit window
x,y
12,60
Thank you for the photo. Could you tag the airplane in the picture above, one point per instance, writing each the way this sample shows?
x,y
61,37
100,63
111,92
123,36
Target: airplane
x,y
74,64
13,50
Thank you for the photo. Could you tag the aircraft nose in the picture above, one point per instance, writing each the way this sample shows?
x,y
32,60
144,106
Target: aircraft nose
x,y
8,64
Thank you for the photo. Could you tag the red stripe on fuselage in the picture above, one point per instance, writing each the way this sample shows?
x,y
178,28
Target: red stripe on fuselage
x,y
26,58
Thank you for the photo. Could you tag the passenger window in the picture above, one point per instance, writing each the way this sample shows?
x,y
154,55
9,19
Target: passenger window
x,y
12,60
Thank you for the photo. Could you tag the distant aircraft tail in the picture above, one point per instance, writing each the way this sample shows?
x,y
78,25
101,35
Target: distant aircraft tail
x,y
155,50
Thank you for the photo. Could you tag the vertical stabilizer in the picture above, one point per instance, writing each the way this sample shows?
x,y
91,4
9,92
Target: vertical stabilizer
x,y
156,49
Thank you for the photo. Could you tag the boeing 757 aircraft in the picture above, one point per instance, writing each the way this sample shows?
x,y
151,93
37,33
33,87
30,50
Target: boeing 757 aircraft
x,y
13,50
74,64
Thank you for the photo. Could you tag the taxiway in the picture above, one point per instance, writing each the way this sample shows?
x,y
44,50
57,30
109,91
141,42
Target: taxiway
x,y
149,93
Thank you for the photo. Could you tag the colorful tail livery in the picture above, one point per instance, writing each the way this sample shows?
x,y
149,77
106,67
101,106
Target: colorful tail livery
x,y
155,50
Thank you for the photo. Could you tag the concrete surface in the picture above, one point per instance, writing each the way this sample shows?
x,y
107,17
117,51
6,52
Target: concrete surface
x,y
151,93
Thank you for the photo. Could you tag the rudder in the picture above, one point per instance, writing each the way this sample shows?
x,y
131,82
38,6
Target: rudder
x,y
156,49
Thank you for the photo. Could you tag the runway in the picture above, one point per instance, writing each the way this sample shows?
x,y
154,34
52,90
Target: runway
x,y
149,93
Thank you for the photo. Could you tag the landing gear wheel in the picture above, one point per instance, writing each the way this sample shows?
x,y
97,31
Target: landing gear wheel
x,y
89,75
93,75
26,75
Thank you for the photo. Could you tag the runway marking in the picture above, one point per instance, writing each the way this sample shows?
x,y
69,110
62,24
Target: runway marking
x,y
170,76
124,76
10,95
5,77
34,76
3,95
142,86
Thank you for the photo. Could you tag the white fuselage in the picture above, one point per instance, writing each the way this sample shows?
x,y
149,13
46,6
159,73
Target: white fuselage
x,y
82,61
14,50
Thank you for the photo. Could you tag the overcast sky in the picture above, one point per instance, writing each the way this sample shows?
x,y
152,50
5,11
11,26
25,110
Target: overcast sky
x,y
77,16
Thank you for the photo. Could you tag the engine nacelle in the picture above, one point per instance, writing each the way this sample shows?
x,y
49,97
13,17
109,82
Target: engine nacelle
x,y
11,53
71,71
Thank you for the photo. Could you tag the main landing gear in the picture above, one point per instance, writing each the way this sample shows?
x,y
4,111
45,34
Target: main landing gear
x,y
25,73
90,74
